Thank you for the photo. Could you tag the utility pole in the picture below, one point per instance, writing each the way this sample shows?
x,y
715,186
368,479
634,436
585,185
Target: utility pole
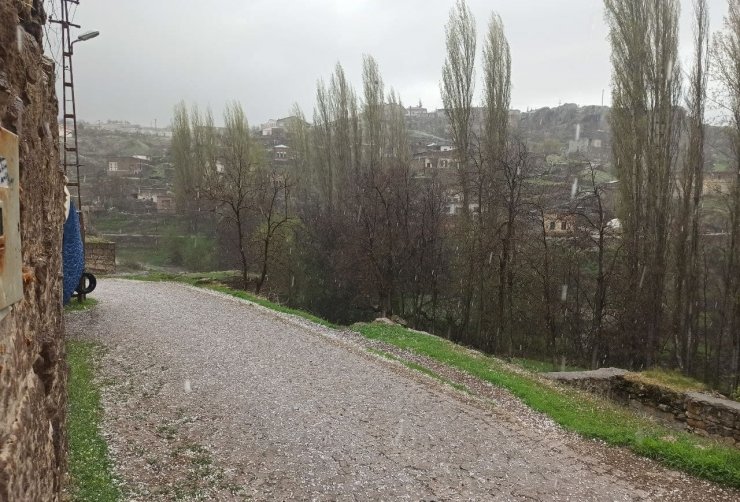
x,y
70,154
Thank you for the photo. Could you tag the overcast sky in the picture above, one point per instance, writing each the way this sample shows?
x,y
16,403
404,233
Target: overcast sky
x,y
268,54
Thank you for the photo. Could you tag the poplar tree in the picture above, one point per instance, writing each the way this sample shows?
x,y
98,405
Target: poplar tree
x,y
646,89
457,96
726,52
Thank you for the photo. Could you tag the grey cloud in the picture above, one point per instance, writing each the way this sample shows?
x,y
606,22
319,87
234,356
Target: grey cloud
x,y
268,54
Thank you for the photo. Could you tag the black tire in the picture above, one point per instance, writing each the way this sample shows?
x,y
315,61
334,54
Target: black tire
x,y
87,284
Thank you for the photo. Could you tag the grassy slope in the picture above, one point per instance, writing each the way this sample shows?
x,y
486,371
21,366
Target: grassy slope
x,y
89,464
589,416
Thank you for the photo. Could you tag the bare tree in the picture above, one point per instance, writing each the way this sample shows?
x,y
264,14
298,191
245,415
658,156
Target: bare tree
x,y
187,173
457,96
646,88
232,188
594,220
458,86
272,193
726,52
686,287
495,178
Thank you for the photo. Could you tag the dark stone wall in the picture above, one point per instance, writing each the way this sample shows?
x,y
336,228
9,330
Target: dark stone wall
x,y
32,358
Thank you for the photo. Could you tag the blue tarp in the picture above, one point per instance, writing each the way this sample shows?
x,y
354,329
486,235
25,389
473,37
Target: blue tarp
x,y
73,256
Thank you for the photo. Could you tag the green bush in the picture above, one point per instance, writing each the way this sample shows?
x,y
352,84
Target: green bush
x,y
195,253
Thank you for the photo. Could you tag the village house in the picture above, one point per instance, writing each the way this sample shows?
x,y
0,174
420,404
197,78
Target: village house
x,y
128,166
416,111
433,157
559,224
280,154
161,198
277,127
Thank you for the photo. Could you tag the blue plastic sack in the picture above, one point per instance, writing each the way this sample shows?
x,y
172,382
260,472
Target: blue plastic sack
x,y
73,255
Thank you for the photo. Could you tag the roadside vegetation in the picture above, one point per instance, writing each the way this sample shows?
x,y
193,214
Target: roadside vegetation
x,y
576,411
75,306
91,477
673,379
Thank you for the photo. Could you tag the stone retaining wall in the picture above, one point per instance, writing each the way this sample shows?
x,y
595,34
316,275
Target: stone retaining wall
x,y
100,257
693,411
33,373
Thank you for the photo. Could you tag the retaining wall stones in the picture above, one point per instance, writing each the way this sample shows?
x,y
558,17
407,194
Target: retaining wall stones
x,y
100,257
693,411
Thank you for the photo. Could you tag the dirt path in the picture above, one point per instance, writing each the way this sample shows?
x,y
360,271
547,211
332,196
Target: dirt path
x,y
211,398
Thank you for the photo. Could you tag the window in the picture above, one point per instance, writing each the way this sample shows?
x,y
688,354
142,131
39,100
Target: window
x,y
552,225
113,166
563,225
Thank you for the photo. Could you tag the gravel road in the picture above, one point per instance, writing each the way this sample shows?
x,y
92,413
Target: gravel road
x,y
211,398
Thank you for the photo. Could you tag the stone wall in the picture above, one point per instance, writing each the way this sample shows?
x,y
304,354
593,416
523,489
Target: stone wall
x,y
693,411
100,257
32,358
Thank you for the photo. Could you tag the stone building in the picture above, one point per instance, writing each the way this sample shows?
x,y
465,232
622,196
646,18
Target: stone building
x,y
33,375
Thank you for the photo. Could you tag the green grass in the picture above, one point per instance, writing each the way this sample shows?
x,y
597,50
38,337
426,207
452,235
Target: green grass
x,y
75,306
577,411
542,366
139,257
721,167
116,222
599,176
672,379
212,281
89,465
421,369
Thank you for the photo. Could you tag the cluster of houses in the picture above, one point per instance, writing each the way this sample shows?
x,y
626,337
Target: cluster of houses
x,y
127,127
140,168
564,172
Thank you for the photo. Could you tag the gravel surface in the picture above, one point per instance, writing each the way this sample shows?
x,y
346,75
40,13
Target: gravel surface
x,y
208,397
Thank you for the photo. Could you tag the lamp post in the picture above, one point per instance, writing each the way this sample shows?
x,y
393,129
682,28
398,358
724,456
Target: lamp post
x,y
82,38
87,281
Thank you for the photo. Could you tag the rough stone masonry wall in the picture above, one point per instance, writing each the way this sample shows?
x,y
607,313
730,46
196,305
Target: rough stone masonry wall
x,y
694,411
32,358
100,257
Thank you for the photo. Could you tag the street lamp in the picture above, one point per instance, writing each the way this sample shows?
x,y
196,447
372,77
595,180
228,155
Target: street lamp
x,y
83,37
87,36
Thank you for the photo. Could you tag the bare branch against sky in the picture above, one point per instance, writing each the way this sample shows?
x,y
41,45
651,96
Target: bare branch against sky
x,y
269,53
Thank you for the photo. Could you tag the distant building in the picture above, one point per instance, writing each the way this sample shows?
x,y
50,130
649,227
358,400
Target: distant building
x,y
280,153
128,166
416,111
559,224
128,127
277,127
433,159
160,197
